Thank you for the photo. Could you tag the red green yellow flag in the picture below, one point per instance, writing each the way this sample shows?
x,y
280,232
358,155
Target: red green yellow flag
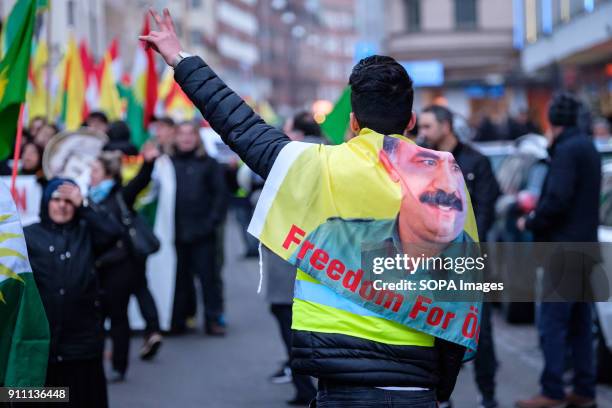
x,y
36,98
110,102
143,97
74,107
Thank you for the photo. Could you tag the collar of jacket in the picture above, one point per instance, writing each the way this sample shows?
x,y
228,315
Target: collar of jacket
x,y
198,153
565,135
458,148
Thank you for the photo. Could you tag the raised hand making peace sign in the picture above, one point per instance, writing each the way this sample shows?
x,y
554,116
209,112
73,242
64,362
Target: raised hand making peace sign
x,y
164,41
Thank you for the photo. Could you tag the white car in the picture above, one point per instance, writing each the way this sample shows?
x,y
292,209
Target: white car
x,y
604,309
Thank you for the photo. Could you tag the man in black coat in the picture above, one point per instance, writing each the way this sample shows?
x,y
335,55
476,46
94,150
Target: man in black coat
x,y
62,248
568,211
436,126
201,204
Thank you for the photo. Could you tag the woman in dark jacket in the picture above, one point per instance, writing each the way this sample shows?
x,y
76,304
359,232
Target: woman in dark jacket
x,y
119,268
62,249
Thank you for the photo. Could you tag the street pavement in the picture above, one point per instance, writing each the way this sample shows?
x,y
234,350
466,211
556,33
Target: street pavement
x,y
200,371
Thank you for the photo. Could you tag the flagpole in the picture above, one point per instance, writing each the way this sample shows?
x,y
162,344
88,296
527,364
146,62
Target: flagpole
x,y
17,149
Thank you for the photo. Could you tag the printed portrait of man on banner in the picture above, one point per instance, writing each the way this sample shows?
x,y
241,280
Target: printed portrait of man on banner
x,y
329,238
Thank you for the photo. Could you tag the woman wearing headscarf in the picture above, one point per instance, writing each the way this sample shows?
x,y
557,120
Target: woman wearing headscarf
x,y
120,268
62,249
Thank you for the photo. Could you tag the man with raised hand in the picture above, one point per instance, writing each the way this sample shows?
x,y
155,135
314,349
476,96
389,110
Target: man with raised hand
x,y
357,355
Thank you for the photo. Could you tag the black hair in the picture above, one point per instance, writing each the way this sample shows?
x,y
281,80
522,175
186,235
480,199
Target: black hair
x,y
38,117
52,126
97,115
564,109
39,151
442,115
192,123
111,163
119,130
381,95
167,120
305,123
414,132
26,136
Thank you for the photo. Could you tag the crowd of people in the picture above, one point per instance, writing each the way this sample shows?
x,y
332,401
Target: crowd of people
x,y
96,268
81,292
88,263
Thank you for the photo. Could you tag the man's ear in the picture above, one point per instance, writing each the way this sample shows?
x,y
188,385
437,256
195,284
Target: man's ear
x,y
388,165
355,128
446,128
411,124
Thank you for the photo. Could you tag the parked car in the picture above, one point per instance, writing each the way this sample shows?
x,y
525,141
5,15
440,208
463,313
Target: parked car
x,y
604,309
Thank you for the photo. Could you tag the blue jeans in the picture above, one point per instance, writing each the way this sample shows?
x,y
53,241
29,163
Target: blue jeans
x,y
368,397
567,326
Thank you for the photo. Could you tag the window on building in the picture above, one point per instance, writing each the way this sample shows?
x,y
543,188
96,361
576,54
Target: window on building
x,y
412,10
546,16
465,14
196,3
70,12
576,7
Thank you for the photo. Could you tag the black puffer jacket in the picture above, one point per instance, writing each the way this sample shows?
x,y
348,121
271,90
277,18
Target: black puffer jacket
x,y
201,196
568,209
338,358
62,259
481,185
333,357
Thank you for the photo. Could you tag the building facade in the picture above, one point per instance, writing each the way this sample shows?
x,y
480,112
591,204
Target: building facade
x,y
81,19
290,53
459,52
567,44
307,49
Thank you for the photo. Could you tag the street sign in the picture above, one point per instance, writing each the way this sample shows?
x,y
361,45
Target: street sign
x,y
425,73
